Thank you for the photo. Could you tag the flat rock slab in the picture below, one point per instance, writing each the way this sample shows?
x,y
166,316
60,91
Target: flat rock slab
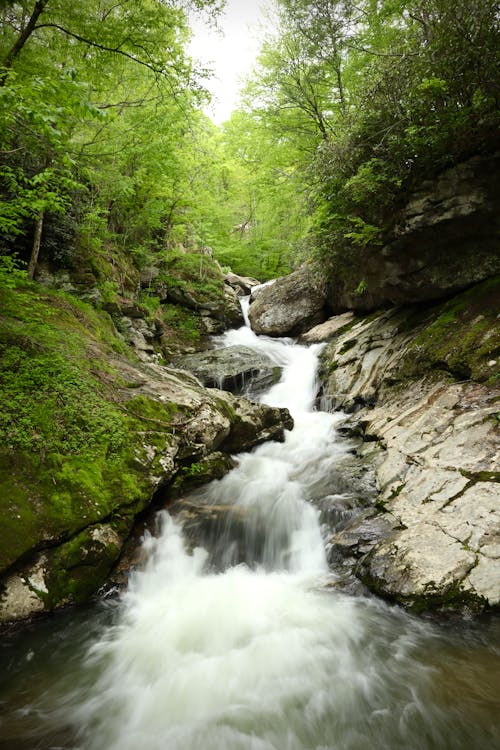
x,y
238,369
327,330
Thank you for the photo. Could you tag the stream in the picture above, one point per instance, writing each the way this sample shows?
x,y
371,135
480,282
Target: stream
x,y
249,644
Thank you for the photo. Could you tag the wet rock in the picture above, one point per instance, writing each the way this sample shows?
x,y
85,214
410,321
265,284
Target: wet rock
x,y
233,316
253,424
290,306
222,529
360,536
234,368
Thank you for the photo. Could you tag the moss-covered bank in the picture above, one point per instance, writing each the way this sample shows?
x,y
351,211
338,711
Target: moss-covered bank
x,y
87,434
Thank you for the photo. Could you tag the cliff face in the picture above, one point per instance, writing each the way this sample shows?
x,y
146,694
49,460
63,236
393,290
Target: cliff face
x,y
446,238
89,435
422,387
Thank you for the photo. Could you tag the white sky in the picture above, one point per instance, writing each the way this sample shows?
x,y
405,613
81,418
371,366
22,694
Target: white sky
x,y
231,55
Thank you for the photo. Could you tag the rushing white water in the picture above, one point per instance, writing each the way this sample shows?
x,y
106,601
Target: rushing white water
x,y
267,655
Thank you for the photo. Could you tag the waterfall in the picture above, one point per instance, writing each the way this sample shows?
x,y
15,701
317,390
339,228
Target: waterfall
x,y
254,648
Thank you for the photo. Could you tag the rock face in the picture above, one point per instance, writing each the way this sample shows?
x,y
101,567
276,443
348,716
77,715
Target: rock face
x,y
445,239
434,539
66,510
235,368
290,306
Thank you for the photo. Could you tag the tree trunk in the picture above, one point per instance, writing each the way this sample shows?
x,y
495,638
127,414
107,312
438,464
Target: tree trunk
x,y
22,39
36,246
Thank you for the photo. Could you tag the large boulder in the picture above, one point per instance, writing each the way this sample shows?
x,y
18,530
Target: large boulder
x,y
289,306
237,369
422,387
444,239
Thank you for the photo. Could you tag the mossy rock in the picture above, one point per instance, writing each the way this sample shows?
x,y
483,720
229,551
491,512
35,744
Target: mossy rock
x,y
78,568
195,274
193,475
463,337
68,443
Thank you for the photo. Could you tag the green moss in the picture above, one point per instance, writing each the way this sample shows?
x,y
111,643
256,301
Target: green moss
x,y
452,599
80,566
44,503
142,406
463,337
347,345
67,441
226,409
195,474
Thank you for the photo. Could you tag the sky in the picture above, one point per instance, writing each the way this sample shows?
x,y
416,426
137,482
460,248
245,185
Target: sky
x,y
231,55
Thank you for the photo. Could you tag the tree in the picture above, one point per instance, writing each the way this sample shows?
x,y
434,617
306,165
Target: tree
x,y
94,101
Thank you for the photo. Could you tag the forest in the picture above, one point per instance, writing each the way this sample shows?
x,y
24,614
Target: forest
x,y
108,161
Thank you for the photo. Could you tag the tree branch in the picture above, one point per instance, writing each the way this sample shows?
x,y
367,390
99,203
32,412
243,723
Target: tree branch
x,y
104,48
22,39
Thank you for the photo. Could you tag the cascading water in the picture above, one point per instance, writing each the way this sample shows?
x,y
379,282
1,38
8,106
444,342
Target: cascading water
x,y
206,654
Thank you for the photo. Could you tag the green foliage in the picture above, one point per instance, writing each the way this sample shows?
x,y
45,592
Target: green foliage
x,y
370,99
99,119
186,324
194,469
11,272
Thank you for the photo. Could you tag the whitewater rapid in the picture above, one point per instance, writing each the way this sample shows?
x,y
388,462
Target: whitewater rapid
x,y
268,654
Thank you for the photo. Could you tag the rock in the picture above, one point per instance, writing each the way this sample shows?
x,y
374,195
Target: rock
x,y
435,541
226,311
327,330
290,306
140,336
252,424
58,280
233,316
242,285
184,298
443,240
447,235
148,276
234,368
